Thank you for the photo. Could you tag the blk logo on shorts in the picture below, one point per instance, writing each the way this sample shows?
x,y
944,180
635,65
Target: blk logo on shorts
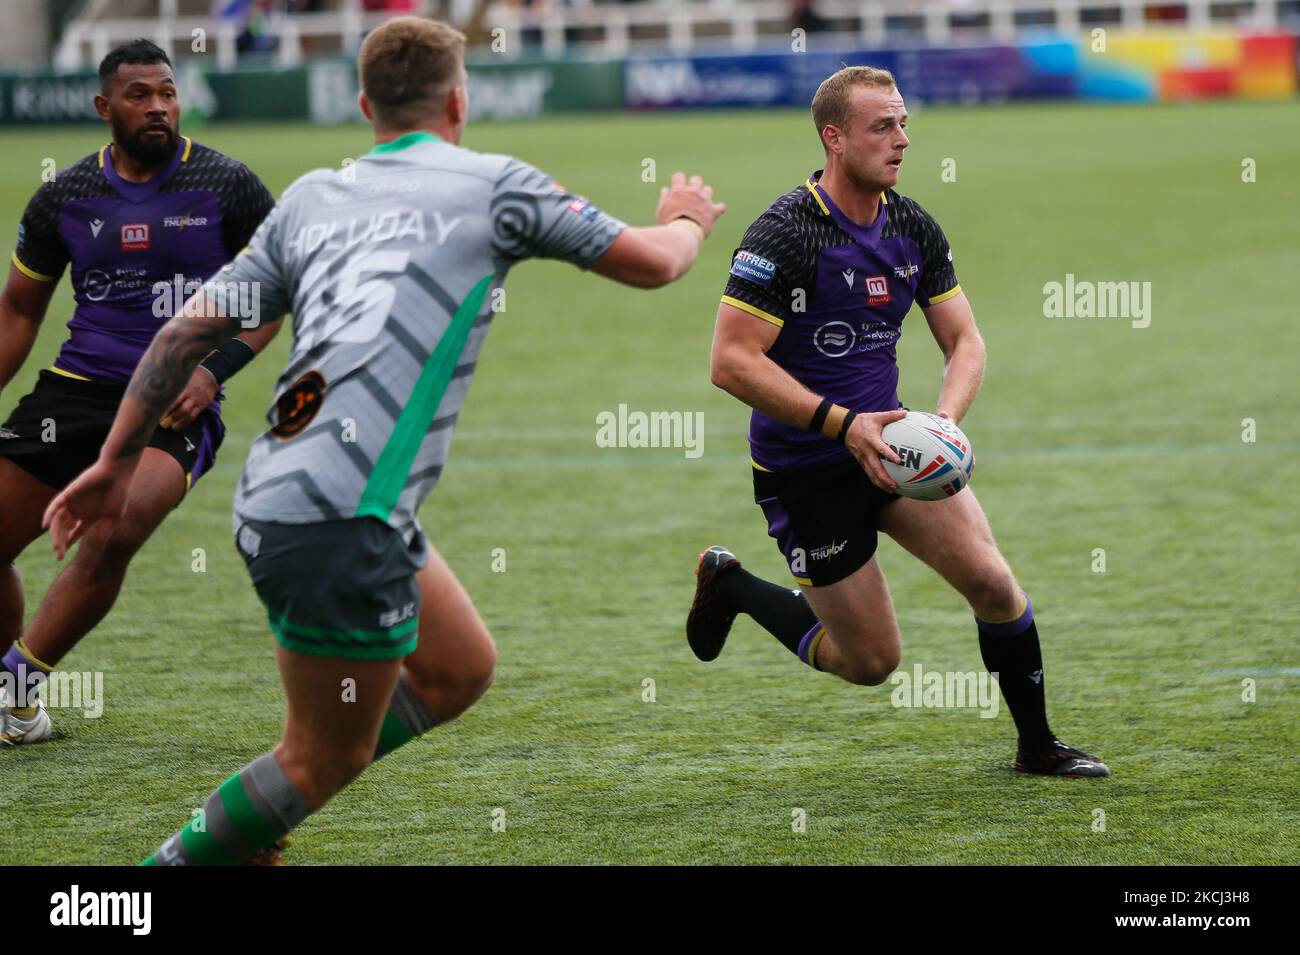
x,y
877,290
135,237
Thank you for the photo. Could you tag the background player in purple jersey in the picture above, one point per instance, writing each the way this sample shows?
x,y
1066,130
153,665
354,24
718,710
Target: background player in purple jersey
x,y
806,336
138,220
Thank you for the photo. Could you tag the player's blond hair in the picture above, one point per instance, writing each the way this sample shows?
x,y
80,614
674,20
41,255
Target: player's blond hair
x,y
830,105
407,66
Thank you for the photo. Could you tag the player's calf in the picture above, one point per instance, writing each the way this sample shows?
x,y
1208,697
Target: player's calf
x,y
11,605
23,499
454,685
455,659
451,667
862,644
336,704
846,627
824,522
319,770
83,594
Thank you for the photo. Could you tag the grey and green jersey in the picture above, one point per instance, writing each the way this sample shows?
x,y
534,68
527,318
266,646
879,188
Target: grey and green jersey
x,y
389,266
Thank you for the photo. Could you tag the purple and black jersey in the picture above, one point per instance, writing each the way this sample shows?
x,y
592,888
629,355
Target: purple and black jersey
x,y
135,246
839,292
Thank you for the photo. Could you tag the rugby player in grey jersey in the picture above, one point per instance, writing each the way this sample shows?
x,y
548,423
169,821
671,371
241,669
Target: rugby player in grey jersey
x,y
388,268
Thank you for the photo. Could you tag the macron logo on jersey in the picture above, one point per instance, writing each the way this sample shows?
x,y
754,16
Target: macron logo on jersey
x,y
753,268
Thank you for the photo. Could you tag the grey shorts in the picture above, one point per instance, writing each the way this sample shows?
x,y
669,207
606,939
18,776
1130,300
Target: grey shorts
x,y
337,589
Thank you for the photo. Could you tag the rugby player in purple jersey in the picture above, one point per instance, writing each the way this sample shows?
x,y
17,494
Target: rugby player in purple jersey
x,y
139,220
806,336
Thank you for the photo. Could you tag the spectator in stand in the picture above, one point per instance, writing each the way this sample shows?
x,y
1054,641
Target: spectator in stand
x,y
249,18
804,17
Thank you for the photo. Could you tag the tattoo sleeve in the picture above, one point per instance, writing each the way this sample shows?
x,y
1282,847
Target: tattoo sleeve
x,y
164,371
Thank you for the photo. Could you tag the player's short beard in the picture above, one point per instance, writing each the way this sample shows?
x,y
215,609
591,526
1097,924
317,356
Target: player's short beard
x,y
145,153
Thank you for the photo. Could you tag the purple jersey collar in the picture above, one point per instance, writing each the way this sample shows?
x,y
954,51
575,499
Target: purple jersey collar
x,y
868,236
140,191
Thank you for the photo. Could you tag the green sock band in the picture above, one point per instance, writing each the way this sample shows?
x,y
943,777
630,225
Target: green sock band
x,y
247,812
393,734
405,720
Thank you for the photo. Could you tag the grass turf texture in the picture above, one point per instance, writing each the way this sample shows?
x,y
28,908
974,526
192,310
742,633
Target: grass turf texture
x,y
1090,434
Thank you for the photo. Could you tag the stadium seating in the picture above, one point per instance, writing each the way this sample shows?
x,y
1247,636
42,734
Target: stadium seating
x,y
614,29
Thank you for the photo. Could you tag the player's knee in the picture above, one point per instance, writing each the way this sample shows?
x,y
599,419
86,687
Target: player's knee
x,y
478,668
112,552
993,594
872,669
485,668
454,684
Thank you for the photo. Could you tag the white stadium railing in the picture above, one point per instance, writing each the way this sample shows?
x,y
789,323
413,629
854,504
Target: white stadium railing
x,y
616,29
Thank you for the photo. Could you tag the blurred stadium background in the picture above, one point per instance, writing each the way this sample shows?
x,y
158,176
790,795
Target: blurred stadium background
x,y
281,59
1112,141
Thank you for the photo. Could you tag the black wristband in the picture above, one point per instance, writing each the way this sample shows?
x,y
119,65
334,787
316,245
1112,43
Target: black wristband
x,y
819,416
228,359
844,428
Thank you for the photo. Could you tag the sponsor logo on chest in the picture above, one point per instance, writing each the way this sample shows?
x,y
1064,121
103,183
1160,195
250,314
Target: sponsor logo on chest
x,y
135,237
180,222
877,290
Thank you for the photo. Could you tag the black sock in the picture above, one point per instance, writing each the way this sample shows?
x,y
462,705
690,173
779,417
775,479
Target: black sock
x,y
781,611
1011,650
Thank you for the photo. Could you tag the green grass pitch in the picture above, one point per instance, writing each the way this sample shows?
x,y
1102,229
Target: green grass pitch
x,y
1090,434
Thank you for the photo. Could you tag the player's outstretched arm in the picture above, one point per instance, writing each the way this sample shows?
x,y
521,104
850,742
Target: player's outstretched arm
x,y
952,322
217,367
22,309
100,492
654,256
739,366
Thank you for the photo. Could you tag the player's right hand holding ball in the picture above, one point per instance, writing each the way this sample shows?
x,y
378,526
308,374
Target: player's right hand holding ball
x,y
866,442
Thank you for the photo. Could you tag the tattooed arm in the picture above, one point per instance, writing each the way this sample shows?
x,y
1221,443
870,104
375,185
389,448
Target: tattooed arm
x,y
100,492
161,375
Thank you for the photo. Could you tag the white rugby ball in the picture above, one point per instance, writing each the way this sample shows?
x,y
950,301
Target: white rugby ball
x,y
937,457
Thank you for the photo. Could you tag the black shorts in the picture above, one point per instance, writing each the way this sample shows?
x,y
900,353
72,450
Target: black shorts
x,y
57,430
825,520
337,589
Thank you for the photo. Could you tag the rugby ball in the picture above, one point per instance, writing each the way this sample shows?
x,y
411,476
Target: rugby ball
x,y
937,457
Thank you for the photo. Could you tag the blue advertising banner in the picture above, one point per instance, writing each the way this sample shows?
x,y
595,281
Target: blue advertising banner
x,y
1046,68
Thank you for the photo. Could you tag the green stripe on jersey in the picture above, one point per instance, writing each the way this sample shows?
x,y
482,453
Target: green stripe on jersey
x,y
394,465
